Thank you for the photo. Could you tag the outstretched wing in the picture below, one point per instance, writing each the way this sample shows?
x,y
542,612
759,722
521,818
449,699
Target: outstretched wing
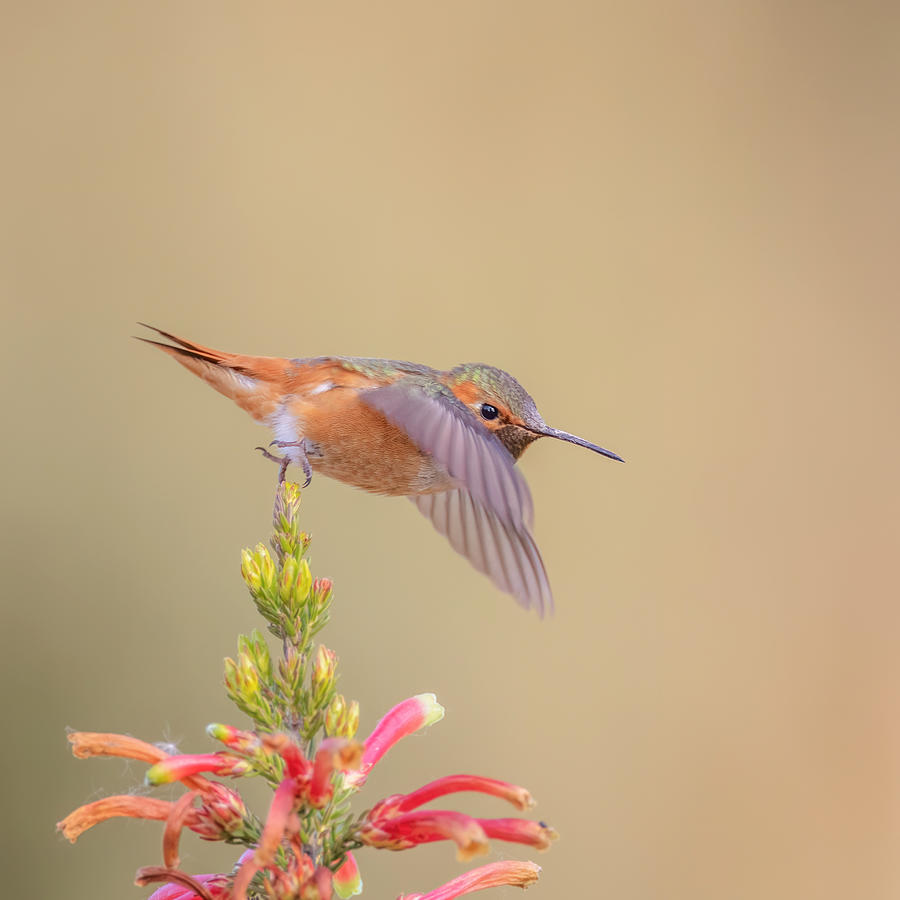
x,y
508,556
488,516
445,428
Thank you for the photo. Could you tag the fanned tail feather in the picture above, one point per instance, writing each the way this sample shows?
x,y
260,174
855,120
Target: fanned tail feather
x,y
255,383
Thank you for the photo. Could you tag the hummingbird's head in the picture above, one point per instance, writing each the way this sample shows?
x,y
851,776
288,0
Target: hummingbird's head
x,y
504,407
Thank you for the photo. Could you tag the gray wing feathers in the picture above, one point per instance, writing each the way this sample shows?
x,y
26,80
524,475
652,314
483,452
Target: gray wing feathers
x,y
445,428
507,555
488,517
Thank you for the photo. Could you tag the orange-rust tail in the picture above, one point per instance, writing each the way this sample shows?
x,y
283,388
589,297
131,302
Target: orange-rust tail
x,y
255,383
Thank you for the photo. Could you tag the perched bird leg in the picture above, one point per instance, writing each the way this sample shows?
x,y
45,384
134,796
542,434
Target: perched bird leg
x,y
297,455
283,462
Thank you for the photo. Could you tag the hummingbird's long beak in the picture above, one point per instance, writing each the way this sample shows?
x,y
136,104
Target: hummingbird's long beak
x,y
573,439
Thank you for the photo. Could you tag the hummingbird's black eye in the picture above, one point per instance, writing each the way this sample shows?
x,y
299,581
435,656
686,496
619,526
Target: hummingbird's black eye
x,y
488,411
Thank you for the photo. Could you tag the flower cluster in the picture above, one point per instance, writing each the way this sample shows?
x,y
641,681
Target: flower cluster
x,y
303,743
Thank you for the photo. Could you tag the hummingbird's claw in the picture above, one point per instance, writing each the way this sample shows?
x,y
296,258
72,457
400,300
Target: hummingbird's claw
x,y
267,455
298,456
283,463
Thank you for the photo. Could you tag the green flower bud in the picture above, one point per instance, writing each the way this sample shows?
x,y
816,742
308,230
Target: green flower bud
x,y
250,571
289,569
248,676
352,720
323,674
304,583
334,716
258,570
342,718
255,647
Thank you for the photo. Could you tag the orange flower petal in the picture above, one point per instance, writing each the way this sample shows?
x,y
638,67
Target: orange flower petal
x,y
80,820
509,872
93,743
174,824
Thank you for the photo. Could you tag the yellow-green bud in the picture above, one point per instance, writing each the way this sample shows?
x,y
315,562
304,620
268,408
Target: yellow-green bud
x,y
249,678
289,570
295,583
255,647
341,718
287,506
258,569
352,720
324,665
250,571
334,716
266,566
323,673
231,676
304,582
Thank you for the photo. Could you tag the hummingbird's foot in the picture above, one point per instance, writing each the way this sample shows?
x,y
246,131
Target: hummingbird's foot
x,y
282,461
297,455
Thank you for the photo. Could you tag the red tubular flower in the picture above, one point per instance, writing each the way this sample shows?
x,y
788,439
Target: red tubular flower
x,y
427,826
276,822
320,787
520,831
182,768
509,872
451,784
347,880
405,718
246,742
334,753
423,826
396,824
297,765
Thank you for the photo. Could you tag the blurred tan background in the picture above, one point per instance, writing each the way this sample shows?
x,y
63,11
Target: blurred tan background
x,y
676,224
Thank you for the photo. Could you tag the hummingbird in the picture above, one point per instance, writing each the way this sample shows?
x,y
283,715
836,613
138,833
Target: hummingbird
x,y
447,440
